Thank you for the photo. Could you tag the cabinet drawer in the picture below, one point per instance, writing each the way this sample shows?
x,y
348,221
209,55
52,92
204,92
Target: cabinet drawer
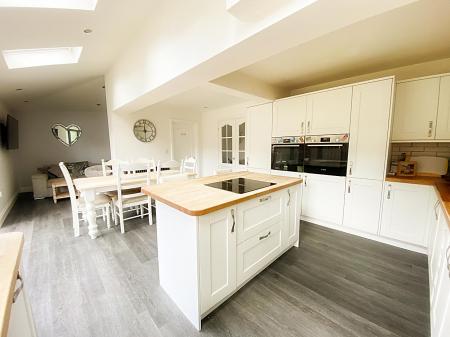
x,y
255,253
255,215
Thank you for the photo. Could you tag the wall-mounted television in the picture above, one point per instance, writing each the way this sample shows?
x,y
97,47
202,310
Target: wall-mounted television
x,y
12,127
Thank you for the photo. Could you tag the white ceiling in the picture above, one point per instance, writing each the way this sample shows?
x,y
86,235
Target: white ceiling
x,y
113,22
411,34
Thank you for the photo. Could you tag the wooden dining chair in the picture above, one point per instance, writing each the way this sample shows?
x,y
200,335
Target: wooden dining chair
x,y
189,165
107,167
78,205
129,196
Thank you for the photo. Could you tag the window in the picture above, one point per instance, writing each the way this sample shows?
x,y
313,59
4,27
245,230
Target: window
x,y
25,58
87,5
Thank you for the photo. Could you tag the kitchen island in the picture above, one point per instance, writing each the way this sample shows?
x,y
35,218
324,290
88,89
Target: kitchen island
x,y
216,233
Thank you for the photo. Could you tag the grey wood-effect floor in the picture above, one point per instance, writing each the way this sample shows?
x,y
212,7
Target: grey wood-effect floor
x,y
335,284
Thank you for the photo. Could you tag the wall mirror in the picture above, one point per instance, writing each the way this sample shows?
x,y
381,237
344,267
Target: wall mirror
x,y
68,135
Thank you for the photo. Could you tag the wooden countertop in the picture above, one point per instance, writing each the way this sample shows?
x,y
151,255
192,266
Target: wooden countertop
x,y
441,186
11,245
194,198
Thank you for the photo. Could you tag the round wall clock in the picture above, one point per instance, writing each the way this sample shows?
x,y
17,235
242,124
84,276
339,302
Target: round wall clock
x,y
144,130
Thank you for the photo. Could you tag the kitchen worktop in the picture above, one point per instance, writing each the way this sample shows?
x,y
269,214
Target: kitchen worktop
x,y
194,198
441,186
11,245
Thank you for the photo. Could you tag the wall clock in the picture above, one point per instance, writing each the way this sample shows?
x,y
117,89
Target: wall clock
x,y
144,130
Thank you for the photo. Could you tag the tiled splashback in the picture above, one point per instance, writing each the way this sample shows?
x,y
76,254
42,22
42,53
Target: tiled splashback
x,y
420,149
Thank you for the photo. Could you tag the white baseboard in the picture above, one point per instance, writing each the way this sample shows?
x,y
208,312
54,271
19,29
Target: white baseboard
x,y
25,189
9,205
404,245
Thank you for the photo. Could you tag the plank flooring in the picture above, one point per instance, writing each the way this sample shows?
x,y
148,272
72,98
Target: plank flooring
x,y
335,284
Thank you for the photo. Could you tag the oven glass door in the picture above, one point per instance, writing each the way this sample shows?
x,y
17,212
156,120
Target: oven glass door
x,y
288,157
328,159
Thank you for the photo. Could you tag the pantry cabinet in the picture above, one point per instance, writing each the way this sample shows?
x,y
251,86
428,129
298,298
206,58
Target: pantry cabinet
x,y
289,117
329,112
369,129
363,204
323,198
415,112
443,116
217,238
405,214
258,140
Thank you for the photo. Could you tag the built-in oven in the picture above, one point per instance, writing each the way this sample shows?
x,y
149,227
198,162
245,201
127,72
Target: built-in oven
x,y
326,154
288,153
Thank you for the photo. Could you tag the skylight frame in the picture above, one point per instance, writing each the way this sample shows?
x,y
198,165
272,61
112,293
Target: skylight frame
x,y
85,5
27,58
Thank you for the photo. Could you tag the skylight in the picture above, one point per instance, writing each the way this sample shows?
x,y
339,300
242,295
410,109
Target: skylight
x,y
87,5
25,58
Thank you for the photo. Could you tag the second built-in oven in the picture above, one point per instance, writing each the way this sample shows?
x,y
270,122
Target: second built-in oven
x,y
326,154
288,153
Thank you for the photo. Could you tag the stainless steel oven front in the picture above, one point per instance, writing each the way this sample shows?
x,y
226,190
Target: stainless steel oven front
x,y
288,153
326,154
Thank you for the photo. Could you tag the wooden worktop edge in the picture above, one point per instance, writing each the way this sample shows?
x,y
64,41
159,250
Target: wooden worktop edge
x,y
208,210
10,278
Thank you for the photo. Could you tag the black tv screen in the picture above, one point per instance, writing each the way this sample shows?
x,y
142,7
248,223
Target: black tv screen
x,y
12,132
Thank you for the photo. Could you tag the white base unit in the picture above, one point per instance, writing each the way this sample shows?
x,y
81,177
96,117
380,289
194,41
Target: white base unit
x,y
21,322
204,259
363,204
405,214
323,198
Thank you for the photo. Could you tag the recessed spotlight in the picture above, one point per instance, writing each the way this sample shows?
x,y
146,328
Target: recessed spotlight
x,y
103,87
205,107
98,104
19,89
26,101
87,31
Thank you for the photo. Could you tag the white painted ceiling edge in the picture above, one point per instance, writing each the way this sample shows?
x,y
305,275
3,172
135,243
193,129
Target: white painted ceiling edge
x,y
151,69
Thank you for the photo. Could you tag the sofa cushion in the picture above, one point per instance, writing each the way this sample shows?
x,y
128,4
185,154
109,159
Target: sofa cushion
x,y
54,172
76,169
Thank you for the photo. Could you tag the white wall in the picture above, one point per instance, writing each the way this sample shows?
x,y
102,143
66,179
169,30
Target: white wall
x,y
125,146
38,147
8,185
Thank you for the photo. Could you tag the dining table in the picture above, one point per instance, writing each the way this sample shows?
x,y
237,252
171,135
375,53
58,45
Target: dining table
x,y
89,187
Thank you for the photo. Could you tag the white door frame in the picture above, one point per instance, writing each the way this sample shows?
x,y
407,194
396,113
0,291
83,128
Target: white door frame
x,y
194,130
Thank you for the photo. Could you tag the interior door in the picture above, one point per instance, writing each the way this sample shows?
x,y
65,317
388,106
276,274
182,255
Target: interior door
x,y
183,144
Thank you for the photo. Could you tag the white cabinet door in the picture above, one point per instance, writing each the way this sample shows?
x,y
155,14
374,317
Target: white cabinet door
x,y
292,219
217,253
289,117
363,204
443,117
257,252
405,213
232,144
329,112
369,130
323,198
259,136
440,304
436,258
21,322
415,111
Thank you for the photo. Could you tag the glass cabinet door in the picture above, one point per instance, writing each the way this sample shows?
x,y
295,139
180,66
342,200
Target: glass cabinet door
x,y
232,144
226,143
242,159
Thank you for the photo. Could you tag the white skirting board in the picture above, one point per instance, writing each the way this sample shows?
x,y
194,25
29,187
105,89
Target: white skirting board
x,y
9,205
373,237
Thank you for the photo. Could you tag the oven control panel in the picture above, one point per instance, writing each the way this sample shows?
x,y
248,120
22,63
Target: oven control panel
x,y
288,140
324,139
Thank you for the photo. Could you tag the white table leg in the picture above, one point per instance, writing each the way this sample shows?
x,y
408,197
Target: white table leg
x,y
89,197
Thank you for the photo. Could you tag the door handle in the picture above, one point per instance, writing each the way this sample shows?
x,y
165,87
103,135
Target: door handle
x,y
430,128
264,236
302,127
389,191
309,126
289,200
348,187
234,220
350,169
447,255
265,199
305,181
19,289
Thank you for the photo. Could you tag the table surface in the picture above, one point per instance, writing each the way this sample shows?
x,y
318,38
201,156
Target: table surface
x,y
11,245
194,198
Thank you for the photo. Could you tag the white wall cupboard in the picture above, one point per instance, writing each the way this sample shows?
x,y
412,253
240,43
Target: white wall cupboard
x,y
329,112
232,144
405,214
443,116
259,137
369,129
363,204
289,117
415,112
323,198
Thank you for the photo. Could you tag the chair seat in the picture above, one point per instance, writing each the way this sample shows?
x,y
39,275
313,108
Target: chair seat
x,y
113,194
134,200
100,199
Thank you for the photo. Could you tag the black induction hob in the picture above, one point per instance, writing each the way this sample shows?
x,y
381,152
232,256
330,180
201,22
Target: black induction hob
x,y
240,185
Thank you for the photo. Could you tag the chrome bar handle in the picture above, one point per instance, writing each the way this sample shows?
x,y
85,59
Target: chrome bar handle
x,y
348,187
306,182
289,200
435,210
389,191
447,255
350,169
265,199
309,126
234,220
430,128
264,236
19,289
302,127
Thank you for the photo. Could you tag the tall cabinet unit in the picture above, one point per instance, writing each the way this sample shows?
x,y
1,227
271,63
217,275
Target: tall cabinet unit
x,y
259,137
289,117
369,138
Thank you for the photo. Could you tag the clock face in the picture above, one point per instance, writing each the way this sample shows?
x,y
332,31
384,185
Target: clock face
x,y
144,130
